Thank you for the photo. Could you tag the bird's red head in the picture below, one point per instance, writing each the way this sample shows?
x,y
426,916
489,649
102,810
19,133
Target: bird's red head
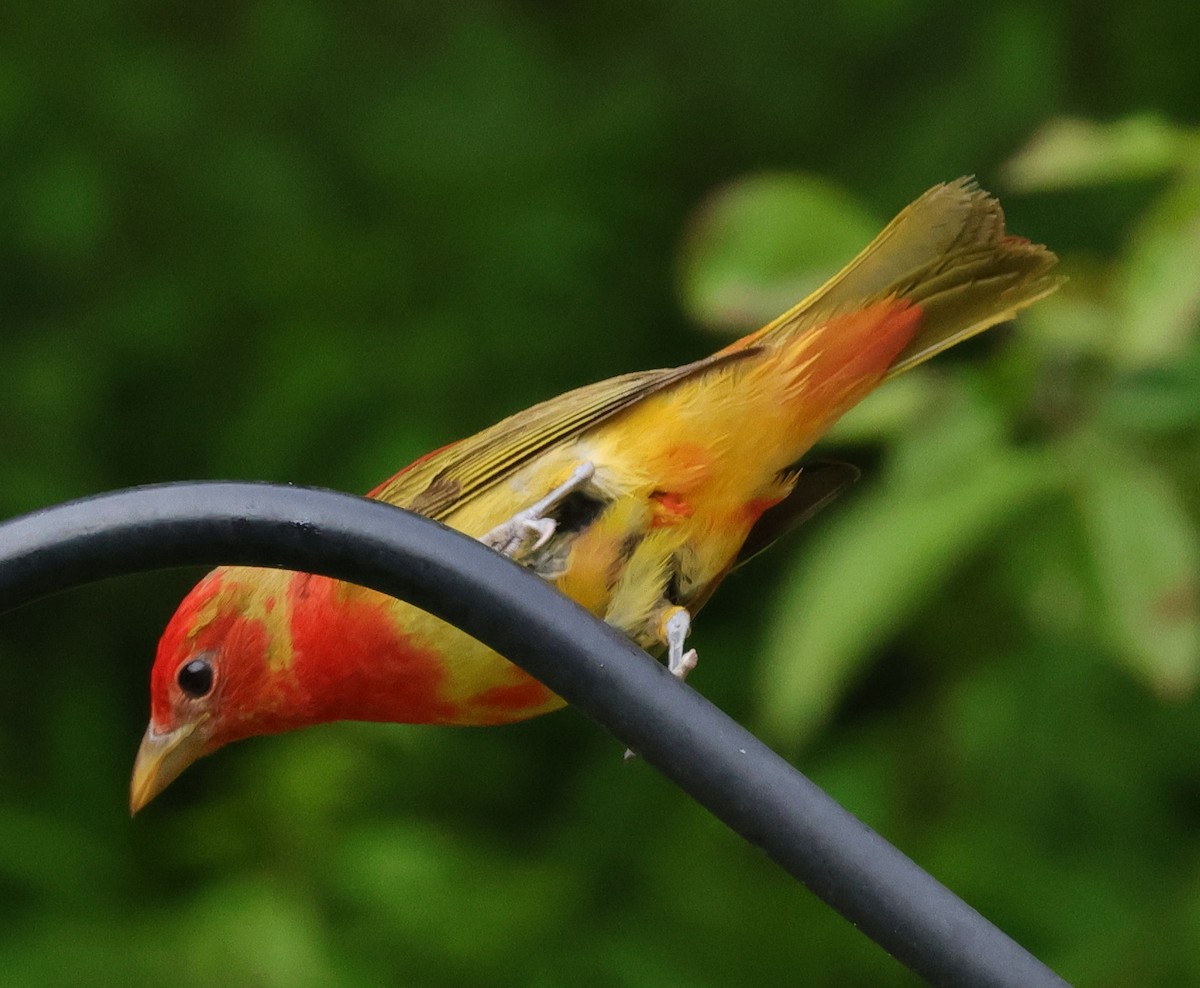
x,y
259,651
213,679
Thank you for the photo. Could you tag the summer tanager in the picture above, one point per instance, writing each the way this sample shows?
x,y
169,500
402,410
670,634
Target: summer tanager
x,y
634,496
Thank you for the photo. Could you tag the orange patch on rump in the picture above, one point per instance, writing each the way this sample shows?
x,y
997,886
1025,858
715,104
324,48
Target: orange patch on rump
x,y
850,353
669,509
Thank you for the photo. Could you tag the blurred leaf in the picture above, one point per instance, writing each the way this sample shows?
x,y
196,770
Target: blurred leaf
x,y
880,560
955,436
245,932
1074,320
761,244
1043,569
48,854
1158,283
1068,153
1147,564
411,881
1159,399
887,412
65,206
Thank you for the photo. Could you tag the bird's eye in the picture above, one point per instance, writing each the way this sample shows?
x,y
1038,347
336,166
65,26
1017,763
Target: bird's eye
x,y
195,678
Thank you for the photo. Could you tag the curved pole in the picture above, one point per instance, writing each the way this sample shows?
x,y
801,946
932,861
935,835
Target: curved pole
x,y
592,666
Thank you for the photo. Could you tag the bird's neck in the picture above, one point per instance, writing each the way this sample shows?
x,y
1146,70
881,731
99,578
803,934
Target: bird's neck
x,y
360,655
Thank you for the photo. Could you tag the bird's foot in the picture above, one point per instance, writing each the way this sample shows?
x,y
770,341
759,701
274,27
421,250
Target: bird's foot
x,y
530,529
673,629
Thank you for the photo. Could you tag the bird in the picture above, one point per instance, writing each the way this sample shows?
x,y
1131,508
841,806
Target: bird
x,y
635,496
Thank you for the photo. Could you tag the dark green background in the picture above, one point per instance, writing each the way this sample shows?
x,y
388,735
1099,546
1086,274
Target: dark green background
x,y
305,242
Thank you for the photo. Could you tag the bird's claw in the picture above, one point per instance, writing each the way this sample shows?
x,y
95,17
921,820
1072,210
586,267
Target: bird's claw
x,y
528,530
520,535
687,662
675,629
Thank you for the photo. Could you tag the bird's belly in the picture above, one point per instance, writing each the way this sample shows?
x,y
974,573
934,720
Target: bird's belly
x,y
646,556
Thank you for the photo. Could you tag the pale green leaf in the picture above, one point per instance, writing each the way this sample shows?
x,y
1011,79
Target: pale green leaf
x,y
251,932
1072,321
1157,400
887,411
1146,557
959,434
1068,153
761,244
874,566
1158,282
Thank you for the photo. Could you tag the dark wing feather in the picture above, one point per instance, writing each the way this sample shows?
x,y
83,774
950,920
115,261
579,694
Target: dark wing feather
x,y
816,485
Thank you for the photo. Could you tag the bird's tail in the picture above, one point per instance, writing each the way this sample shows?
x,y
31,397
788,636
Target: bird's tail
x,y
947,256
943,270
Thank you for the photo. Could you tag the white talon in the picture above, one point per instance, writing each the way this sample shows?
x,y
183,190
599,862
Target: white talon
x,y
677,626
530,529
687,662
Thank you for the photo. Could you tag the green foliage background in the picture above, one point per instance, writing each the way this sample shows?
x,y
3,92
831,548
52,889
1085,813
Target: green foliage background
x,y
305,241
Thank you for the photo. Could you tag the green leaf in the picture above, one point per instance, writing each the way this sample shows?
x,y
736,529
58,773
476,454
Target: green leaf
x,y
1157,400
888,411
521,898
1068,153
248,932
1146,557
763,243
876,564
1158,283
1074,321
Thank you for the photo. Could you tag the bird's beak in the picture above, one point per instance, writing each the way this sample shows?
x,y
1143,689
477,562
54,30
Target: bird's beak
x,y
161,758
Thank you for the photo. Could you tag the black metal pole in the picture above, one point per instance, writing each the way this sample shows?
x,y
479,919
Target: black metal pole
x,y
713,759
